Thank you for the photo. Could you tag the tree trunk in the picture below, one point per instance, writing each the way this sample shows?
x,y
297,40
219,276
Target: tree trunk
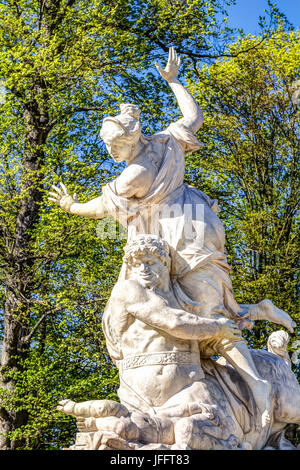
x,y
20,278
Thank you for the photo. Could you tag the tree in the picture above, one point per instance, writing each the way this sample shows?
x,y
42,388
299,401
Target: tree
x,y
250,163
64,64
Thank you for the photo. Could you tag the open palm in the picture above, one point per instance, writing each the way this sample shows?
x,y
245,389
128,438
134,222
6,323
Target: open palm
x,y
61,197
173,64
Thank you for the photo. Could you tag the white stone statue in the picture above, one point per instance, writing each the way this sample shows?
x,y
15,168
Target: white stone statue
x,y
277,344
169,397
149,197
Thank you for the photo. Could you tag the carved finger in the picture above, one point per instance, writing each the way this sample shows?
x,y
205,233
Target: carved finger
x,y
237,335
173,54
66,406
54,200
57,189
54,194
64,188
64,402
175,57
80,423
161,71
178,61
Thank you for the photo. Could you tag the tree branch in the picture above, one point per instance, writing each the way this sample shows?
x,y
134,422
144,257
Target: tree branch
x,y
28,337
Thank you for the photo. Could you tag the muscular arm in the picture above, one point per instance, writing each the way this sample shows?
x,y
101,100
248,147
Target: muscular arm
x,y
94,209
148,307
134,181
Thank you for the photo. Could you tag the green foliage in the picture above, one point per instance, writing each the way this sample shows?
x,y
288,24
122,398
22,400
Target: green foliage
x,y
64,65
250,163
62,371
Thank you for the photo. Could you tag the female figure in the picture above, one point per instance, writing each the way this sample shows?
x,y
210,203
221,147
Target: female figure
x,y
150,197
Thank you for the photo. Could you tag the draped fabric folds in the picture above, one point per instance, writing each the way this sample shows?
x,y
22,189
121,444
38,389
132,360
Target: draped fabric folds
x,y
187,219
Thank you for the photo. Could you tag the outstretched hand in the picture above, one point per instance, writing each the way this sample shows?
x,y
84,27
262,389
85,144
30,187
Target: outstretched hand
x,y
171,69
229,330
62,198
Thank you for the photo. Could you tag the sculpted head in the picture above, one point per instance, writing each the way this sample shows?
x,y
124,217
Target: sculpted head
x,y
277,344
278,341
121,133
148,260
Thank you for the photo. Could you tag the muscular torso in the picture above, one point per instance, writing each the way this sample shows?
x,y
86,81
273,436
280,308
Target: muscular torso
x,y
156,383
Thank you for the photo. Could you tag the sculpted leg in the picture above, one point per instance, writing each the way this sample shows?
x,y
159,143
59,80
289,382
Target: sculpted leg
x,y
239,356
122,427
198,432
110,433
266,310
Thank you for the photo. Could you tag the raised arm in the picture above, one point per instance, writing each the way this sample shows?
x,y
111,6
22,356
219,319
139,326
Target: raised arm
x,y
192,114
94,209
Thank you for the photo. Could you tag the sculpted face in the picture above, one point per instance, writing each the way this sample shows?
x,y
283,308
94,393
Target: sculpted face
x,y
149,270
119,149
119,143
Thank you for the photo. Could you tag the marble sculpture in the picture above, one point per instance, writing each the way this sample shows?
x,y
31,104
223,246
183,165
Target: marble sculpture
x,y
172,311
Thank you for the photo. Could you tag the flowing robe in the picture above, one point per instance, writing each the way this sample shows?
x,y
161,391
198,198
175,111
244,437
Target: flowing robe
x,y
187,219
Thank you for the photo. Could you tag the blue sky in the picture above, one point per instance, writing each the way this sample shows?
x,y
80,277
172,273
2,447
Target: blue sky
x,y
245,13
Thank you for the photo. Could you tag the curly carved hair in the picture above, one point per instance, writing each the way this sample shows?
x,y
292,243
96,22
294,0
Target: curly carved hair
x,y
147,244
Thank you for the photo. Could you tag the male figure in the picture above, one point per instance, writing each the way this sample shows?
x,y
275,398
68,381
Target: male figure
x,y
155,345
144,306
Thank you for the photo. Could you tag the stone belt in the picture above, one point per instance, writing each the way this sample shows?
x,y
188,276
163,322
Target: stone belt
x,y
160,358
